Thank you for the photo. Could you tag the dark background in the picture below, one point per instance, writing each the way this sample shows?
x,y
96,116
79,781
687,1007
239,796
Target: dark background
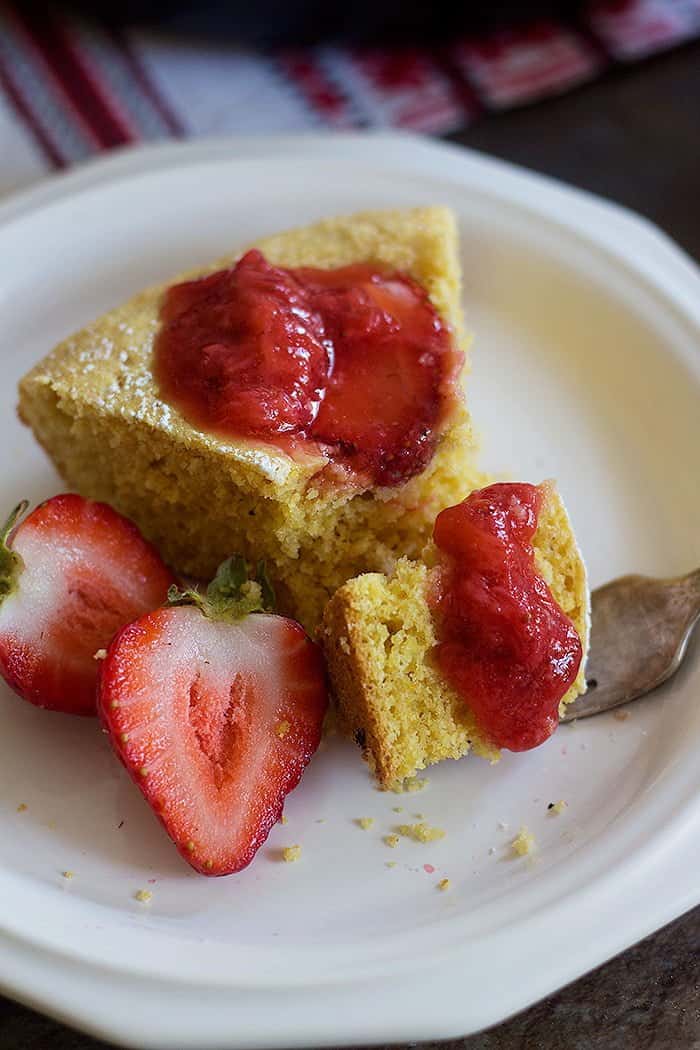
x,y
268,23
633,136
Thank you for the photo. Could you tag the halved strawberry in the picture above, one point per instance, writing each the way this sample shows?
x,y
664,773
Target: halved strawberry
x,y
71,574
215,713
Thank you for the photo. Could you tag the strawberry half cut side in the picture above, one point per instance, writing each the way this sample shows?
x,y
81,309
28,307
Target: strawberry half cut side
x,y
215,707
71,575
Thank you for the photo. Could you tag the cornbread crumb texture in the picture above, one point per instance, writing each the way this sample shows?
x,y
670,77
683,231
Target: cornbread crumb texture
x,y
391,840
22,807
414,784
444,884
143,896
68,875
390,697
523,843
421,832
365,823
290,854
93,404
282,729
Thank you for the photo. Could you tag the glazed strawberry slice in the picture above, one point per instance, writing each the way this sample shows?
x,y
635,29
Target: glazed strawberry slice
x,y
215,707
71,574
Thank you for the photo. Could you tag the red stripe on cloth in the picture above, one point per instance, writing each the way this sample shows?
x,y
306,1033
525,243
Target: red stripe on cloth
x,y
29,117
145,83
511,67
632,29
472,107
415,91
99,84
307,74
44,70
78,87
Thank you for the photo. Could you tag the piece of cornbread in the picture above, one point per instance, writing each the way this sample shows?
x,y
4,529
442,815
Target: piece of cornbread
x,y
93,405
378,633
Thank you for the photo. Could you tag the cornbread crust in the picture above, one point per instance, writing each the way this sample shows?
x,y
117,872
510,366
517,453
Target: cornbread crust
x,y
93,405
378,634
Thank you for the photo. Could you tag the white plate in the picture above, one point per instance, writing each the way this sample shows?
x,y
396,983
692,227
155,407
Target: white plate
x,y
585,368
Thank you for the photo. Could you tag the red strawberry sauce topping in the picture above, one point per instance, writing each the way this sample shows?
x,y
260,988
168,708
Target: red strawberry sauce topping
x,y
504,643
352,364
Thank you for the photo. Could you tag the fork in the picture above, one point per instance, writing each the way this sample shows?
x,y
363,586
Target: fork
x,y
640,629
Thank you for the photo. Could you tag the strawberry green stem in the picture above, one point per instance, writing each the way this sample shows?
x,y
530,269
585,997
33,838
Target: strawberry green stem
x,y
234,593
11,563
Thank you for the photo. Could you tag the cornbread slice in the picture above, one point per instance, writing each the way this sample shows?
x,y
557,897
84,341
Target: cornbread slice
x,y
378,633
93,405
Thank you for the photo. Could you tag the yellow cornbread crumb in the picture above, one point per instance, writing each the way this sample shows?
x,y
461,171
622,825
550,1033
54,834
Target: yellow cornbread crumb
x,y
415,784
101,654
397,809
94,405
391,840
365,822
420,832
22,806
390,864
557,807
444,884
282,729
143,896
282,820
391,697
523,843
68,874
290,854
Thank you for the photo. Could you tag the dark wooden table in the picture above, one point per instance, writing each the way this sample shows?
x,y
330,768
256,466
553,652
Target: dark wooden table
x,y
633,137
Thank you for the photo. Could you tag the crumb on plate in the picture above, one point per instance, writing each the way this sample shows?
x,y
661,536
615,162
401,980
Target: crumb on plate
x,y
290,854
555,808
365,823
444,884
420,832
391,840
143,896
523,843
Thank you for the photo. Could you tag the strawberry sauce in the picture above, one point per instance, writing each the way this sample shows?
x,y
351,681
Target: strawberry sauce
x,y
504,643
353,364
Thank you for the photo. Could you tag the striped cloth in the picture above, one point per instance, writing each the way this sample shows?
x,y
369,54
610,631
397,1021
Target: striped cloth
x,y
71,88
